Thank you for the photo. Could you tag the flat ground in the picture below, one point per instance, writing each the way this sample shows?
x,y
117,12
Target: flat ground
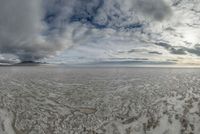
x,y
61,100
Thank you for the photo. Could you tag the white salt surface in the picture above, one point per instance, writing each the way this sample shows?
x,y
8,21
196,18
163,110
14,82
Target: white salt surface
x,y
60,100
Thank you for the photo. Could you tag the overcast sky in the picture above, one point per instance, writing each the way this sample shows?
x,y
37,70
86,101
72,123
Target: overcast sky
x,y
81,31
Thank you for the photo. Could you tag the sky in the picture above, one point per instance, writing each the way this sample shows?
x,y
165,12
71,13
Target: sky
x,y
101,31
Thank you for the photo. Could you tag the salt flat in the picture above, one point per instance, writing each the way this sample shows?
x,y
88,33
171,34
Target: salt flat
x,y
61,100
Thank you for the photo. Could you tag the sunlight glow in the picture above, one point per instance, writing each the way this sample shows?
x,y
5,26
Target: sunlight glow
x,y
190,36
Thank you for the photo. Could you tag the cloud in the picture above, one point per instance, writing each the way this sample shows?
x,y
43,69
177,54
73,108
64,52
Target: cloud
x,y
36,29
172,49
156,9
140,51
22,31
118,14
180,50
155,52
195,50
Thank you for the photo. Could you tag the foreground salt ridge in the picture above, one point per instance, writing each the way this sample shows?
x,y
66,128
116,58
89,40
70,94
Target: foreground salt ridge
x,y
103,101
6,122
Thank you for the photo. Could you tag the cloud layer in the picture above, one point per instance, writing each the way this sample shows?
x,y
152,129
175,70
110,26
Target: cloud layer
x,y
102,29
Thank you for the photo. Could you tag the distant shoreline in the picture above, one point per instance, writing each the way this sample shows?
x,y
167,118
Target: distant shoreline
x,y
97,65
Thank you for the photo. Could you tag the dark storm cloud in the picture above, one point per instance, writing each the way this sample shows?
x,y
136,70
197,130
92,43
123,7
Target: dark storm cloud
x,y
21,30
140,51
156,9
103,14
177,2
135,50
115,13
165,45
195,50
177,51
180,50
172,49
155,52
35,29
